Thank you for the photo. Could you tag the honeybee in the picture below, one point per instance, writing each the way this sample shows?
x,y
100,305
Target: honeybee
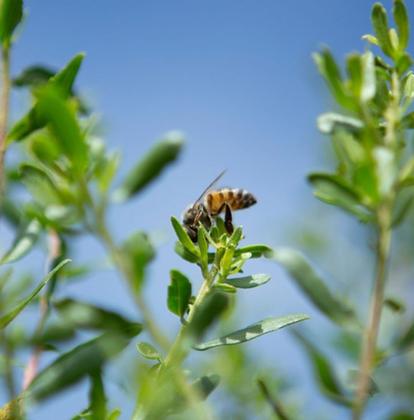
x,y
211,203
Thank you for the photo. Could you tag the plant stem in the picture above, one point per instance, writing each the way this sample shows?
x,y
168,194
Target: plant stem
x,y
177,353
33,364
4,112
367,361
116,255
276,405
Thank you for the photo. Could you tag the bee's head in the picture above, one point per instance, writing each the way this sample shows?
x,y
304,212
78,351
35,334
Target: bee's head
x,y
192,214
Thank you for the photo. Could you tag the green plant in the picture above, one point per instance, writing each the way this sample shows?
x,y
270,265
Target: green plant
x,y
68,175
372,182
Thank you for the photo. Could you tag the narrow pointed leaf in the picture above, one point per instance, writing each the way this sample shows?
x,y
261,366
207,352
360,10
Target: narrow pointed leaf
x,y
150,167
63,82
85,315
335,191
83,360
314,287
33,76
6,319
256,251
380,24
11,13
249,281
23,243
179,293
403,26
324,372
207,314
54,109
184,238
253,331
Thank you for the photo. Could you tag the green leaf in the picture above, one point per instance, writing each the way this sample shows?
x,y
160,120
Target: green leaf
x,y
330,71
335,191
53,108
87,316
314,287
380,24
64,79
401,415
405,340
23,243
371,39
183,237
179,293
207,313
150,166
256,251
361,70
255,330
324,372
225,288
7,318
83,360
137,253
203,247
187,255
395,304
148,351
205,385
11,13
330,122
402,23
249,281
407,121
386,169
97,397
33,76
34,120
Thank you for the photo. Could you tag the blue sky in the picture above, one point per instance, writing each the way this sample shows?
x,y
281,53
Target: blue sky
x,y
237,78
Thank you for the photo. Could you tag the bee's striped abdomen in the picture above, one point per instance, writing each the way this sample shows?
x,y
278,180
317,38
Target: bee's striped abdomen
x,y
236,198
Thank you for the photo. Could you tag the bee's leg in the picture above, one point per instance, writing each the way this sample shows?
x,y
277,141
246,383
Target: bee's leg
x,y
228,219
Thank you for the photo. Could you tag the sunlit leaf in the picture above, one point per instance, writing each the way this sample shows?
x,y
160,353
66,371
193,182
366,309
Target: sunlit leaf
x,y
7,318
380,24
329,122
256,251
253,331
314,287
183,237
148,351
150,166
23,243
248,281
179,293
403,26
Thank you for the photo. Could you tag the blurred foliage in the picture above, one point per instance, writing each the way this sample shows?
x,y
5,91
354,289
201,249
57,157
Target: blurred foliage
x,y
64,182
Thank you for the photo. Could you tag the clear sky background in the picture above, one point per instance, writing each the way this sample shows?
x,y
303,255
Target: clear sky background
x,y
237,78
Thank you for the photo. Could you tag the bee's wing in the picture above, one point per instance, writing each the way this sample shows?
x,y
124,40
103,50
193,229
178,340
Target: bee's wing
x,y
216,179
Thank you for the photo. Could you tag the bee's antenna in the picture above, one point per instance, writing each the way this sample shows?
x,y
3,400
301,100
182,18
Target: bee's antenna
x,y
210,185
